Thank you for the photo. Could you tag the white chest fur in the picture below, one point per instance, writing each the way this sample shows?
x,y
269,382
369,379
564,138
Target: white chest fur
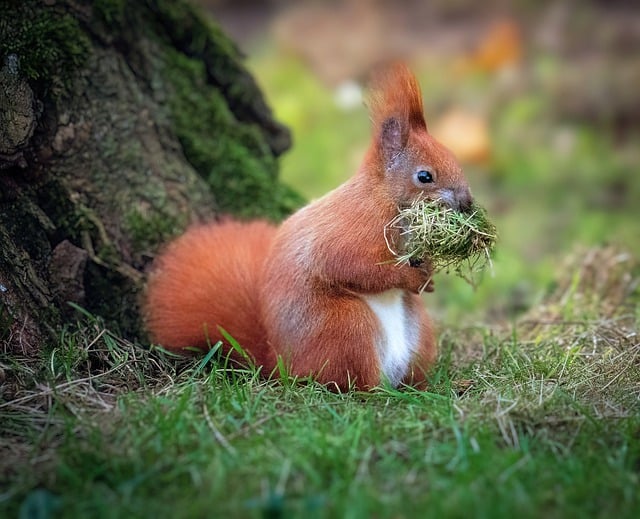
x,y
395,345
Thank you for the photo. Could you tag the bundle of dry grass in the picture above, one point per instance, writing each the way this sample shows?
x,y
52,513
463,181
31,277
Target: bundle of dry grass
x,y
449,239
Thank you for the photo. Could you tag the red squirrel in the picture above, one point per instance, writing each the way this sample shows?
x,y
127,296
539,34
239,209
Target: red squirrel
x,y
321,291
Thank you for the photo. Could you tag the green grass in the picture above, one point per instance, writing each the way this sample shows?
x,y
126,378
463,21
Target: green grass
x,y
321,157
537,418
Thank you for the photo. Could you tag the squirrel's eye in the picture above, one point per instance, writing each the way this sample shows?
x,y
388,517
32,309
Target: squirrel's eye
x,y
424,176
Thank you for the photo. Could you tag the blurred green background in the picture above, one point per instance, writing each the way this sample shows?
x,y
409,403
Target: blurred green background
x,y
539,101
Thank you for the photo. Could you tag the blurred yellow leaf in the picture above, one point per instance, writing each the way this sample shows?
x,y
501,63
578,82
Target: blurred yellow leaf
x,y
465,134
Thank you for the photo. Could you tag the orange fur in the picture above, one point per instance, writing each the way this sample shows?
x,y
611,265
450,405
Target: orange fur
x,y
206,278
314,290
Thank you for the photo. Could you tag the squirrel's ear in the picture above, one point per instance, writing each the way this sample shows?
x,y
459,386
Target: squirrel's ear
x,y
393,138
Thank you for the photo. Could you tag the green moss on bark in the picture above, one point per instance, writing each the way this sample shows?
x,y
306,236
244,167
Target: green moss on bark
x,y
49,43
220,117
111,12
232,156
147,229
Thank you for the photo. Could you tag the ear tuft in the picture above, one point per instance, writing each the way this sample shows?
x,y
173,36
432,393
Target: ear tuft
x,y
393,138
394,92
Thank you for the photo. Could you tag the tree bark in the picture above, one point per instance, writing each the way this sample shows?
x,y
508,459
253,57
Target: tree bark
x,y
120,123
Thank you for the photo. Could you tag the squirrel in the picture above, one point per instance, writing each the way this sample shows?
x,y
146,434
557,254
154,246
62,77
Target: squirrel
x,y
321,291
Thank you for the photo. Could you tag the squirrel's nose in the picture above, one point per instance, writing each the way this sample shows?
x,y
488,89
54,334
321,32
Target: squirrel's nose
x,y
458,198
463,199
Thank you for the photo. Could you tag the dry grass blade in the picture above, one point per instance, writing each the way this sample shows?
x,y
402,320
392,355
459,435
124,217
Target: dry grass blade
x,y
449,239
105,367
592,317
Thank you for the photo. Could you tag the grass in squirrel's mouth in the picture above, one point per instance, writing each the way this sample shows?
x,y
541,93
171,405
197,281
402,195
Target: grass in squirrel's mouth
x,y
447,238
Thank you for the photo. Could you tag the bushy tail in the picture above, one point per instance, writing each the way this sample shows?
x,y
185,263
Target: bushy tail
x,y
206,278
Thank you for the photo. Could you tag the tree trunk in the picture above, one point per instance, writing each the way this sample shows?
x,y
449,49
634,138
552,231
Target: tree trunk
x,y
120,123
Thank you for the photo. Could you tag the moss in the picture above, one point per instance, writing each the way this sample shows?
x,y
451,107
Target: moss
x,y
110,12
188,28
147,230
218,114
232,156
50,44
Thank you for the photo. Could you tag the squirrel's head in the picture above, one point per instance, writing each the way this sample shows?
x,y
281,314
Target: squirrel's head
x,y
410,161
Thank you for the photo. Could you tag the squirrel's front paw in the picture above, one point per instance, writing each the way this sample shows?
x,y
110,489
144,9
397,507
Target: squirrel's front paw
x,y
429,286
422,275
